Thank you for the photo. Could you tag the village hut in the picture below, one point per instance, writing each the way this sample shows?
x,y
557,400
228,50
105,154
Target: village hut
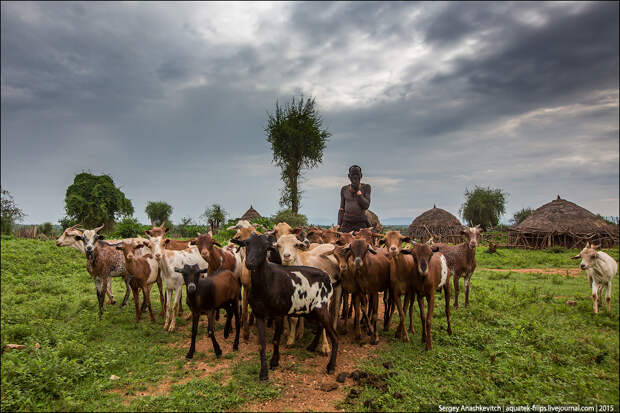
x,y
373,219
562,223
251,214
437,223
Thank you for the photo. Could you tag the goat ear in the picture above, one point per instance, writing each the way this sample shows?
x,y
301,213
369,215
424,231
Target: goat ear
x,y
405,239
177,269
77,238
204,270
100,237
302,246
576,257
597,246
381,241
435,248
166,230
217,243
193,241
406,252
119,248
148,232
372,250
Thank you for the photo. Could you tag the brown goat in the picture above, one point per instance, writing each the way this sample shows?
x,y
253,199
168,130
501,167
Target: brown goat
x,y
430,273
401,282
370,270
462,260
217,258
145,271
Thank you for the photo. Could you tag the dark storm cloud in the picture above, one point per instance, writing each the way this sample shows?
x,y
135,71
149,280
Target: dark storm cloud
x,y
430,98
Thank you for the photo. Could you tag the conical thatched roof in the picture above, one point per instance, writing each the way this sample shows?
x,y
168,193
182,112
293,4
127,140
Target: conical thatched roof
x,y
438,223
561,222
251,214
373,219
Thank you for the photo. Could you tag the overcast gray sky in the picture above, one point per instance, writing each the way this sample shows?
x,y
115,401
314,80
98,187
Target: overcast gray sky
x,y
171,100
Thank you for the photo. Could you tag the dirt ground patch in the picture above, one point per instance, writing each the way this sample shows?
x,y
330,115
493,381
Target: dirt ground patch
x,y
572,272
299,376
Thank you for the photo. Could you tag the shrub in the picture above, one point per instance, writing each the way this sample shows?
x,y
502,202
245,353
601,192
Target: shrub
x,y
286,215
47,229
128,228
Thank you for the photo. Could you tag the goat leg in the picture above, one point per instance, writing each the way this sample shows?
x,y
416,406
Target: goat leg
x,y
192,346
244,315
211,329
136,300
260,327
162,296
275,358
411,304
422,316
446,291
127,279
147,295
375,314
402,315
430,299
466,281
324,322
228,325
456,291
237,324
315,340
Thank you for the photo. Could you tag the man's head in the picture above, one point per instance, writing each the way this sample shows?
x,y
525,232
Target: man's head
x,y
355,175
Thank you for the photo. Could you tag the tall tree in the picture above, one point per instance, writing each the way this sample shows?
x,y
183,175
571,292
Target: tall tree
x,y
483,206
215,215
11,213
158,212
297,139
94,199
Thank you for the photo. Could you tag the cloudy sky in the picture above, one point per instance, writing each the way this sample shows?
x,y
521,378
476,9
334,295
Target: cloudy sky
x,y
171,100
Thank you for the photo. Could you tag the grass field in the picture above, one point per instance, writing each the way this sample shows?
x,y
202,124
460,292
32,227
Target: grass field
x,y
517,343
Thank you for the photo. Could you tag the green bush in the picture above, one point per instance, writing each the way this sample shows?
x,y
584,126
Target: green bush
x,y
47,229
287,216
128,228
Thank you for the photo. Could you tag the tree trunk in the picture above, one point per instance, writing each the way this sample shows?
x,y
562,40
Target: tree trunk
x,y
294,193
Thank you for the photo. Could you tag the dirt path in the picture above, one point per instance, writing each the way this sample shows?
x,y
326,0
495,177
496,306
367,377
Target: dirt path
x,y
572,272
299,376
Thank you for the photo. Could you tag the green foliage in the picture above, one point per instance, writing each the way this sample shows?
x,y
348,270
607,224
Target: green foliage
x,y
11,213
47,229
66,222
519,216
483,206
188,228
266,222
94,199
610,220
129,227
297,139
158,212
286,215
215,215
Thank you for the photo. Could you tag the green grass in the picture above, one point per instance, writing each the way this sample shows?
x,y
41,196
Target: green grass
x,y
518,258
517,343
49,298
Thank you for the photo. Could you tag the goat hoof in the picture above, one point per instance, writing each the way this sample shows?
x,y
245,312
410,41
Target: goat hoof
x,y
273,364
235,348
218,354
374,341
331,369
405,339
189,356
263,376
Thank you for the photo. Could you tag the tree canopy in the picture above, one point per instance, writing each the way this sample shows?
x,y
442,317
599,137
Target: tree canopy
x,y
483,206
519,216
215,215
297,139
94,199
11,213
158,212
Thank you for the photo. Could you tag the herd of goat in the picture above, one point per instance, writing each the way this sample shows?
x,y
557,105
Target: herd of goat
x,y
288,274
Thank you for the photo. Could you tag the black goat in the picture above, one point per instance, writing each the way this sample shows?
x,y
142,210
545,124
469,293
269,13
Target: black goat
x,y
279,290
205,295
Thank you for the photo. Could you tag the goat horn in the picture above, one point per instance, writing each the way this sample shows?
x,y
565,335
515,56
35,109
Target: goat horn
x,y
99,228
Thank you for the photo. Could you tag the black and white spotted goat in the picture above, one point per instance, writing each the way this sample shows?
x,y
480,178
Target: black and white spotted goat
x,y
279,291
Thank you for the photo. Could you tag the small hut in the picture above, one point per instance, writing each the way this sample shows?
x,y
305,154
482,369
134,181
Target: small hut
x,y
562,223
437,223
373,219
251,214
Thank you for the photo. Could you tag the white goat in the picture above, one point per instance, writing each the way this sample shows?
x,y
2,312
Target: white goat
x,y
601,269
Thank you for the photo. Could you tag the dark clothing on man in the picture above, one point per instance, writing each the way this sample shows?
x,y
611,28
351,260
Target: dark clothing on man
x,y
352,212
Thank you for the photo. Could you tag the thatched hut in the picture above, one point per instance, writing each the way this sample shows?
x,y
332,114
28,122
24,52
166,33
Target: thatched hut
x,y
373,219
562,223
251,214
437,223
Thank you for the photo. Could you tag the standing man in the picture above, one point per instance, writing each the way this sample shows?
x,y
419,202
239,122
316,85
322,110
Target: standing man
x,y
354,201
